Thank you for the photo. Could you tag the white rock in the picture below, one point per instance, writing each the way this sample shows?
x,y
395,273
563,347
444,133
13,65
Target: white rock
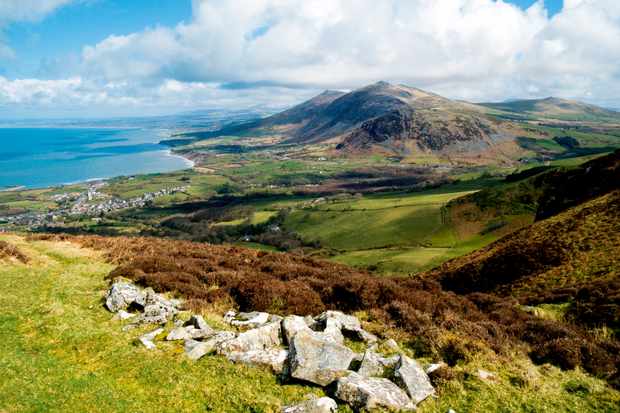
x,y
123,315
317,359
273,358
315,405
369,393
121,295
261,338
197,349
147,339
251,320
410,375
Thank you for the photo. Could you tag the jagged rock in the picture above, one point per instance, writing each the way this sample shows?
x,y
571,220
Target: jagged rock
x,y
198,322
375,365
261,338
147,339
317,359
179,333
197,349
333,320
368,393
410,375
250,320
157,310
273,358
314,405
333,331
292,325
123,294
347,322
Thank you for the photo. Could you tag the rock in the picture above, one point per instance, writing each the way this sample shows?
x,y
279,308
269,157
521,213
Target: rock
x,y
486,375
198,322
314,405
197,349
410,375
157,310
318,360
332,331
368,393
391,345
261,338
147,339
123,315
292,325
250,320
230,316
367,337
375,365
273,358
179,333
197,327
434,367
123,294
347,322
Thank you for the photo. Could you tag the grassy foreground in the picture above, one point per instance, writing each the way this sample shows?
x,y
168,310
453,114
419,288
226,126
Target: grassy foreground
x,y
60,351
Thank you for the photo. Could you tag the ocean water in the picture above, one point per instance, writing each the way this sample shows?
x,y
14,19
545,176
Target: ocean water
x,y
40,157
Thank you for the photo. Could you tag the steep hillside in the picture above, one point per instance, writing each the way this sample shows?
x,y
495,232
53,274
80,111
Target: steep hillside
x,y
555,108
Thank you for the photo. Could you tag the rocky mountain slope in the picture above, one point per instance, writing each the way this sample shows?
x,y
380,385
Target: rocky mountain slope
x,y
392,119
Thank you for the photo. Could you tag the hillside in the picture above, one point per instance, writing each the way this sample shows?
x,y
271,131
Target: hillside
x,y
383,118
555,108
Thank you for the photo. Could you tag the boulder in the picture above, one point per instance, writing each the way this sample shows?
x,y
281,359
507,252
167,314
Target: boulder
x,y
179,333
147,339
157,310
347,322
123,294
410,375
123,315
261,338
314,405
391,345
318,360
274,358
292,325
197,349
368,393
198,322
375,365
250,320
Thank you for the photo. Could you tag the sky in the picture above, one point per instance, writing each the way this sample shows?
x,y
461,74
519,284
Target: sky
x,y
100,58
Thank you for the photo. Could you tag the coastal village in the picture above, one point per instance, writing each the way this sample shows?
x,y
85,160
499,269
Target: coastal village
x,y
90,203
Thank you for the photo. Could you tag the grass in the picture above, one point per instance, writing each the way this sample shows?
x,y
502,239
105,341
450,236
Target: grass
x,y
61,351
393,233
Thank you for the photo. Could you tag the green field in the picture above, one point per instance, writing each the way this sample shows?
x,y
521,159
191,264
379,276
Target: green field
x,y
393,233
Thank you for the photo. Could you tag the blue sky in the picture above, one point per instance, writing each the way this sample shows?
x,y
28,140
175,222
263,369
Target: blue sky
x,y
117,57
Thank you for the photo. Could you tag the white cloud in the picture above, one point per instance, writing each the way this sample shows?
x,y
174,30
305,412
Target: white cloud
x,y
24,10
472,49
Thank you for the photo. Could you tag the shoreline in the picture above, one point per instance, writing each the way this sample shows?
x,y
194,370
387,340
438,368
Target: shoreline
x,y
189,164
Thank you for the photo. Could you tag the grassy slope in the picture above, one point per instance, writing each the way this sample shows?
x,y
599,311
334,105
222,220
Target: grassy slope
x,y
61,352
396,233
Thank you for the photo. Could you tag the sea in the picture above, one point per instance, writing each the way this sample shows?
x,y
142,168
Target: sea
x,y
43,157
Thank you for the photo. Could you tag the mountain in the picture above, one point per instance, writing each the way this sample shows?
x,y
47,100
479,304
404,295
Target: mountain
x,y
393,119
555,108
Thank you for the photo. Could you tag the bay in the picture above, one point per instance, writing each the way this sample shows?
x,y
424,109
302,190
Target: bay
x,y
41,157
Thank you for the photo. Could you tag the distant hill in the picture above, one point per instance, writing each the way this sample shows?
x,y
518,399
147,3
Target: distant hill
x,y
393,119
555,108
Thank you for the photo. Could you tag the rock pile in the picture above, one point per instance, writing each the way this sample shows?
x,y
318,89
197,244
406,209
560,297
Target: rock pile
x,y
308,349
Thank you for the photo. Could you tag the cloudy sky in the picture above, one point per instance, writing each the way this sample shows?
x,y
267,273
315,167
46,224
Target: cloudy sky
x,y
97,58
